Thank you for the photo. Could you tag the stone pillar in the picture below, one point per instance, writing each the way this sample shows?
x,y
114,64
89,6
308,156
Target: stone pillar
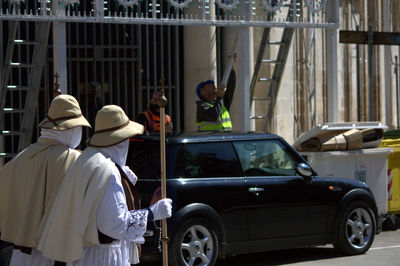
x,y
200,63
331,64
240,109
388,65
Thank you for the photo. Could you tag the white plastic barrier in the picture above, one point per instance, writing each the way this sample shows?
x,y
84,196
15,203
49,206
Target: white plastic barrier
x,y
367,165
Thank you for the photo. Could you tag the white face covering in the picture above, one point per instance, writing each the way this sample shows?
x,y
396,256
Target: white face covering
x,y
70,138
118,153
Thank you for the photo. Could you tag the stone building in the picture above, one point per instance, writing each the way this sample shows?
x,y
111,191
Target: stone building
x,y
116,51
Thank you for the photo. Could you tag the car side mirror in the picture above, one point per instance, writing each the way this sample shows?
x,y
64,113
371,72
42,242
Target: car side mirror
x,y
304,170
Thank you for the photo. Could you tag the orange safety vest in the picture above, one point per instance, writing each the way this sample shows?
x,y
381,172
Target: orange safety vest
x,y
154,120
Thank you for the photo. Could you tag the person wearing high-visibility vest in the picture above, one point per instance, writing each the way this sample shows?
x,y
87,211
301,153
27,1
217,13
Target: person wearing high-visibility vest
x,y
150,118
215,102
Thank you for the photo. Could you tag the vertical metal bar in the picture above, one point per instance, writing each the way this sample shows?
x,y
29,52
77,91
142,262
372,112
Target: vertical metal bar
x,y
162,74
118,75
162,50
70,88
43,8
133,79
169,68
1,82
370,73
177,78
18,82
99,8
125,70
103,62
250,11
396,71
294,10
85,30
1,50
314,122
110,64
139,69
27,60
77,59
94,68
147,65
155,74
13,81
358,79
154,8
203,9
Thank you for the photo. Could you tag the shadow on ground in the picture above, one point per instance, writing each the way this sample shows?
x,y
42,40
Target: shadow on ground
x,y
280,257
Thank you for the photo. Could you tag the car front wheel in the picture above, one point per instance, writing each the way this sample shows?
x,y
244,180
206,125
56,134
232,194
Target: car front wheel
x,y
356,229
195,243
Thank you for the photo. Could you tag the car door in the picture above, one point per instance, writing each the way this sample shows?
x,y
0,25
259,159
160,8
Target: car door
x,y
210,173
280,203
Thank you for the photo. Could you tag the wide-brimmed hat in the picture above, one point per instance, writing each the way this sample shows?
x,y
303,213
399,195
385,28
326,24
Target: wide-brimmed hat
x,y
112,126
64,113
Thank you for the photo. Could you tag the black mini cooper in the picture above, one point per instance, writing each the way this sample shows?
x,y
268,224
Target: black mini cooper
x,y
236,193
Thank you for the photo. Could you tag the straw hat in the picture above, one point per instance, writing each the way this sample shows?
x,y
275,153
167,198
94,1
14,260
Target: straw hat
x,y
112,126
64,113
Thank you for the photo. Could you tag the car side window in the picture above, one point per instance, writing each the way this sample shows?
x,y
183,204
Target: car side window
x,y
144,159
216,159
266,158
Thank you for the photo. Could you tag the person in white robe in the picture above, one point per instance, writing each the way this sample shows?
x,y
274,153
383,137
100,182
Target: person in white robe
x,y
90,223
29,182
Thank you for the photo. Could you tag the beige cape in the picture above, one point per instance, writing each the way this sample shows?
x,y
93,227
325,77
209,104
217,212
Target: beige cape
x,y
72,222
28,186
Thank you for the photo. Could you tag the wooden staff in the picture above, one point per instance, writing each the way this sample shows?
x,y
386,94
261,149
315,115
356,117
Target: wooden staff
x,y
162,102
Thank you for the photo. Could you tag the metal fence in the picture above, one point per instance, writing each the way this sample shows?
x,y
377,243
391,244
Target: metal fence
x,y
123,65
173,12
106,64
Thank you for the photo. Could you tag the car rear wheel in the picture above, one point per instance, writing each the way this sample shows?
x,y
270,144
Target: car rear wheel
x,y
195,243
356,229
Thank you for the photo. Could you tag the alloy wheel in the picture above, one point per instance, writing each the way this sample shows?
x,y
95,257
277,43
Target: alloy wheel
x,y
197,246
359,229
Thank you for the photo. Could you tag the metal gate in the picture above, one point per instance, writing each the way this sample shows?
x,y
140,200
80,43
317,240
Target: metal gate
x,y
123,64
118,64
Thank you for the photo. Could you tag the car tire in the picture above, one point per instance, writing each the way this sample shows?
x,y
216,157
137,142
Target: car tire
x,y
194,243
356,229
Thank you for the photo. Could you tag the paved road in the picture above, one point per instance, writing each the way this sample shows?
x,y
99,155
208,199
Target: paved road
x,y
385,251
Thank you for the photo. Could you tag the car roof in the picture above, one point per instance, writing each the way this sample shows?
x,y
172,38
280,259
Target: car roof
x,y
193,137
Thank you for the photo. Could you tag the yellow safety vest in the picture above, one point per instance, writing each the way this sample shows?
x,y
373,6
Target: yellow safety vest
x,y
222,124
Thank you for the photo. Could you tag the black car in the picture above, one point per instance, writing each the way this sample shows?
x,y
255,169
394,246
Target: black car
x,y
236,193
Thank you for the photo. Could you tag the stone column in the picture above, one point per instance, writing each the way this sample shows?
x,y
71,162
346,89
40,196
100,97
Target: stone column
x,y
200,63
332,64
387,66
240,109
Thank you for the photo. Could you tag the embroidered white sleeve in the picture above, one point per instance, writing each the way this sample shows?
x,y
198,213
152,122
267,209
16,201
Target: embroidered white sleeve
x,y
115,220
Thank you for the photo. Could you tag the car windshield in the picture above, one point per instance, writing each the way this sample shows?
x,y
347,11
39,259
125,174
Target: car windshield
x,y
266,157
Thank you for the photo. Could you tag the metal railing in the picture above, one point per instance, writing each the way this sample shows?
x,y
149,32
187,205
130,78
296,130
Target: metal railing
x,y
178,12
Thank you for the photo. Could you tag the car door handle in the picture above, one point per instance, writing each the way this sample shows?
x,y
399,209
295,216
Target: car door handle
x,y
256,189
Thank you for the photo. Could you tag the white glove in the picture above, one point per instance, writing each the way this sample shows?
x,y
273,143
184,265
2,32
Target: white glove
x,y
161,209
